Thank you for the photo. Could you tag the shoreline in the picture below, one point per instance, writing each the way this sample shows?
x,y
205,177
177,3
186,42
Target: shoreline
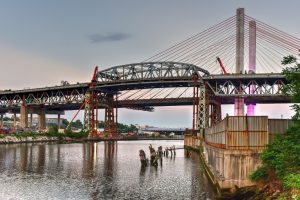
x,y
45,139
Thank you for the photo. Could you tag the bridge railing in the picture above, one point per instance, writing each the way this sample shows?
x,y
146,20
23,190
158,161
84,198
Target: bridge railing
x,y
239,132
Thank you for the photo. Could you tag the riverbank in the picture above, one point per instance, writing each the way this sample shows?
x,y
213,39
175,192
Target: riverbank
x,y
32,139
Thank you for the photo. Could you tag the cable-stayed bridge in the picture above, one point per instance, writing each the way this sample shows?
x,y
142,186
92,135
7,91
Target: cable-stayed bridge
x,y
185,74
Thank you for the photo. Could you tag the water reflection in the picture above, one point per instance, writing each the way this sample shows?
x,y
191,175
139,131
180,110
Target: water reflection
x,y
106,170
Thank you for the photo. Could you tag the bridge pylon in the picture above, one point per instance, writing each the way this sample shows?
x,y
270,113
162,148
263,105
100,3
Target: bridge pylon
x,y
110,118
240,17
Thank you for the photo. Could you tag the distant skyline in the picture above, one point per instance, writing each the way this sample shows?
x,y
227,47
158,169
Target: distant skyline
x,y
44,42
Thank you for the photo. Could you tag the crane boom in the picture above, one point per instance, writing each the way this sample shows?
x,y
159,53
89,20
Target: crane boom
x,y
91,85
222,66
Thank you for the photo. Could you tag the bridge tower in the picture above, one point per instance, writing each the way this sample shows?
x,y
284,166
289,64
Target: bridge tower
x,y
240,15
252,61
110,124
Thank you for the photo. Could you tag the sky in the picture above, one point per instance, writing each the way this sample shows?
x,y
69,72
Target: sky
x,y
44,42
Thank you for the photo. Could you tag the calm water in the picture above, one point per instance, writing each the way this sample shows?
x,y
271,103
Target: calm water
x,y
98,171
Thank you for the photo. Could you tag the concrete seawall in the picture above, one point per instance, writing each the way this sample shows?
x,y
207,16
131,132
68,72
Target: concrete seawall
x,y
231,167
226,168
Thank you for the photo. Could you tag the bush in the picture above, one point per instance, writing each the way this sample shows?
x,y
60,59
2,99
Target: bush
x,y
292,181
24,134
82,134
53,130
260,174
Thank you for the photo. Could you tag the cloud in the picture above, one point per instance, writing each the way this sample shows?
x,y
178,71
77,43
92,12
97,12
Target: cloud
x,y
97,38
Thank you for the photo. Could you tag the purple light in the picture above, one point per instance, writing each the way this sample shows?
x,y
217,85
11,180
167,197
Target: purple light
x,y
250,110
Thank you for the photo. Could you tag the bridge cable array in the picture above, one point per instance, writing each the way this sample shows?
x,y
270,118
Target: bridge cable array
x,y
219,40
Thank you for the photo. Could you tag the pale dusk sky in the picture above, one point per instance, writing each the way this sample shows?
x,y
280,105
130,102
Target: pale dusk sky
x,y
44,42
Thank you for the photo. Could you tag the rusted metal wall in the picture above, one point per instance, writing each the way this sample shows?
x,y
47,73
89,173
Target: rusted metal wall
x,y
278,126
191,141
239,132
216,135
247,132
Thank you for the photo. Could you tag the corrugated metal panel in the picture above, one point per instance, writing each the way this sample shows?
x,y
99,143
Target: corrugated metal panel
x,y
239,132
247,132
278,126
191,141
216,134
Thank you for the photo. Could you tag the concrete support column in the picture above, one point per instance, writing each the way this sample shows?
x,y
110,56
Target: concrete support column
x,y
30,123
24,116
252,61
42,119
239,102
58,121
15,120
1,120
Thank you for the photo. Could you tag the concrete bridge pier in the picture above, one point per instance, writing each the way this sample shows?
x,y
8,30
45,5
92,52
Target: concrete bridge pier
x,y
42,118
1,120
15,120
110,126
24,116
31,120
58,121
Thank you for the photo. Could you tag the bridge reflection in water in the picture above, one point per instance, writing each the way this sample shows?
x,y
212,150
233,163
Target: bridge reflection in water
x,y
106,170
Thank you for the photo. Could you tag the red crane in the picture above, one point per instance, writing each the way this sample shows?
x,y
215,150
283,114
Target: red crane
x,y
92,101
222,66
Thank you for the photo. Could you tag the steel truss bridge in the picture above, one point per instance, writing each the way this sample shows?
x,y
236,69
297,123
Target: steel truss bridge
x,y
116,81
184,74
268,87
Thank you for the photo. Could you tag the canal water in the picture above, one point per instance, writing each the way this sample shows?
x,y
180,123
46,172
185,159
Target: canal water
x,y
103,170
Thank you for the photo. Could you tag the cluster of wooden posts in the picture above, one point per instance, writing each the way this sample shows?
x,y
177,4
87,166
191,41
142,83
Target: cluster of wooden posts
x,y
156,156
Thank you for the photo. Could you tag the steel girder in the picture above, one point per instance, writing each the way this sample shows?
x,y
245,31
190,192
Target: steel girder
x,y
149,71
203,118
247,87
44,98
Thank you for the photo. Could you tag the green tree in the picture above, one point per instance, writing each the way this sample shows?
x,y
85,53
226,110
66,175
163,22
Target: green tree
x,y
293,89
77,124
281,160
6,118
101,124
53,130
65,123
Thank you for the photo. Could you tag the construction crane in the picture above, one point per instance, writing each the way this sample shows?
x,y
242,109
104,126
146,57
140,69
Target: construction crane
x,y
91,101
223,69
